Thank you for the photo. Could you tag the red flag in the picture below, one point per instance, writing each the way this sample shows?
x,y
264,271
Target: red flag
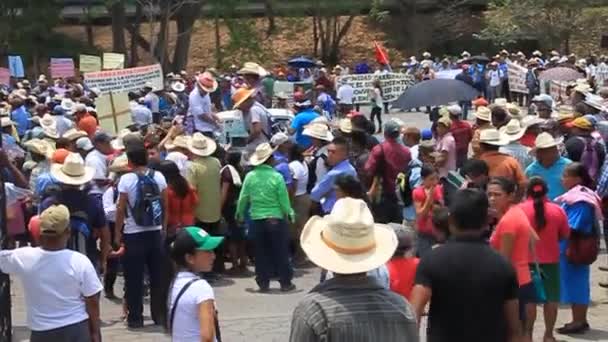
x,y
381,55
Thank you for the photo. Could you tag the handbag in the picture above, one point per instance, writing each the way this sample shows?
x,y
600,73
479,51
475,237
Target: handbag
x,y
583,249
537,278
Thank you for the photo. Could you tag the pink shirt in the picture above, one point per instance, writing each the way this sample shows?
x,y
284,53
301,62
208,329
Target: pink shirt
x,y
556,228
447,144
515,222
424,223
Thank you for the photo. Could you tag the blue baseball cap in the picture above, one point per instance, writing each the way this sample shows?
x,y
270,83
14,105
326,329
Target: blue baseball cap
x,y
426,134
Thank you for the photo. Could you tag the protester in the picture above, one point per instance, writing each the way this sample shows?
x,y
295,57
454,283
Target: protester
x,y
425,197
514,131
402,266
304,116
181,197
583,147
376,96
446,159
482,121
199,105
301,200
462,132
499,164
232,175
255,116
549,165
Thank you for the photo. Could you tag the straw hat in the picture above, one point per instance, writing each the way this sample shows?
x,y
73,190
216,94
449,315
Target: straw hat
x,y
445,120
179,141
39,146
582,123
492,136
483,113
241,95
72,171
178,87
319,131
6,122
73,134
345,126
250,68
532,120
501,101
595,101
546,140
67,105
514,111
120,164
202,146
262,153
513,130
207,82
347,241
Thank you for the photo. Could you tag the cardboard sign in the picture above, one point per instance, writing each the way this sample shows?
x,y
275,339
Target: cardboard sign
x,y
62,67
113,112
125,80
5,76
90,63
393,85
517,78
15,65
113,61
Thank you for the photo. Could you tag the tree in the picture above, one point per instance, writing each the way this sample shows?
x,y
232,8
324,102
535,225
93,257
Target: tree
x,y
551,22
331,23
116,8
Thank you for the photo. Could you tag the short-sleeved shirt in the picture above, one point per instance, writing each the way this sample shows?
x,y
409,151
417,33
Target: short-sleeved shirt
x,y
282,166
447,144
552,176
402,272
79,201
515,222
186,326
470,283
128,185
463,134
503,165
302,119
299,172
204,176
140,114
424,223
21,117
556,228
391,158
99,162
258,114
200,105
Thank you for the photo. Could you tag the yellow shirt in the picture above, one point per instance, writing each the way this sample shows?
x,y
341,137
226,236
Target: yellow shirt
x,y
204,176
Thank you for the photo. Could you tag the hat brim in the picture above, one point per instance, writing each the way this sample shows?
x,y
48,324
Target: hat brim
x,y
255,160
323,256
206,152
207,89
328,137
513,137
211,243
483,117
61,177
245,98
117,144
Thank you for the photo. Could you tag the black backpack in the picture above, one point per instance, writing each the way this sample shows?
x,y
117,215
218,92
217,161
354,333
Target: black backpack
x,y
147,210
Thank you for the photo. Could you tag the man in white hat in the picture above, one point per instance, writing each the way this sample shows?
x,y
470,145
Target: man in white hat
x,y
265,194
282,145
140,114
199,105
98,160
304,116
549,164
62,124
544,105
500,164
152,101
40,152
514,131
345,96
253,74
320,136
351,305
61,286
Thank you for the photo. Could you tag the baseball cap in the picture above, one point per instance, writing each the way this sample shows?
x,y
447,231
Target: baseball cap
x,y
546,99
195,238
84,144
392,127
426,134
55,220
102,137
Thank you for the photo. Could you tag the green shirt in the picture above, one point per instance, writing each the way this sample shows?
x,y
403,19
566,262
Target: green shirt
x,y
265,192
204,176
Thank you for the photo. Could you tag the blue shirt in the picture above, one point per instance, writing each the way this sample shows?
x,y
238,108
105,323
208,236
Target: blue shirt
x,y
552,176
302,119
200,105
325,188
282,167
21,116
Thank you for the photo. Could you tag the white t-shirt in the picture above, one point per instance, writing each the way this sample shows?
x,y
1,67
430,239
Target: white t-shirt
x,y
494,78
99,162
128,185
299,172
345,94
55,284
109,205
186,326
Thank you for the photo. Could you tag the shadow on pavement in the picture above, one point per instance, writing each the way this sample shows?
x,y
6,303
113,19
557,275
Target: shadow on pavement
x,y
274,292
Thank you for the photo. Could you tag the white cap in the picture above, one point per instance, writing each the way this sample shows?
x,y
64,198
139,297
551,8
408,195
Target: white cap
x,y
84,144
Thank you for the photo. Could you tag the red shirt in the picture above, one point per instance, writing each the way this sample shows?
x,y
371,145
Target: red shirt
x,y
462,133
515,223
424,223
401,272
390,157
181,210
555,229
528,140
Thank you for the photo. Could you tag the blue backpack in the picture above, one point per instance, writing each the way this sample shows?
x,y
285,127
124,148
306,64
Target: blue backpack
x,y
147,210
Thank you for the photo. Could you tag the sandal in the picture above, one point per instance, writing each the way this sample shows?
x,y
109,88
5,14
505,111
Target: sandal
x,y
573,328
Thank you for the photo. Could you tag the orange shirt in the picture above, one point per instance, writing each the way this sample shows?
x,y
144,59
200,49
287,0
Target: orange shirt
x,y
88,123
515,222
401,272
503,165
181,210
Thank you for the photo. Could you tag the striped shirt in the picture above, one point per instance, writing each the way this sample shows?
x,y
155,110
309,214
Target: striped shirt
x,y
353,309
518,151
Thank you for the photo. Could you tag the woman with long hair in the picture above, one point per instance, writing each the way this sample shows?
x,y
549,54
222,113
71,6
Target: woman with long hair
x,y
182,198
425,197
583,209
190,301
551,225
376,95
231,178
511,238
300,201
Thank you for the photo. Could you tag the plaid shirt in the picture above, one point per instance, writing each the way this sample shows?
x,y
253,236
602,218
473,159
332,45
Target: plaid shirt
x,y
602,183
518,151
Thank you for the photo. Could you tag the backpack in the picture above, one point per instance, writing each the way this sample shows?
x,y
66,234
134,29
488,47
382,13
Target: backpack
x,y
147,210
590,158
403,187
312,171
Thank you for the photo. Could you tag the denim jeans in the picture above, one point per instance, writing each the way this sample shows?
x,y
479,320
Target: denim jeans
x,y
272,251
143,249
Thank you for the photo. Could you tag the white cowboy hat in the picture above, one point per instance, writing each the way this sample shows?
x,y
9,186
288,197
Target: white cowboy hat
x,y
149,85
483,113
67,105
347,241
514,111
545,140
319,131
596,102
39,146
51,132
492,136
73,134
179,141
345,125
261,154
202,146
501,101
250,68
72,171
513,130
532,120
178,87
120,164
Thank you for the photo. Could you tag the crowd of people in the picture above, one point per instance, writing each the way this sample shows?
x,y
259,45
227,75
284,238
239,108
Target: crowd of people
x,y
478,222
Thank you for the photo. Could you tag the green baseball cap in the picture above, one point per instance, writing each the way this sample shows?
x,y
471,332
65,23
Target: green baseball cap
x,y
199,238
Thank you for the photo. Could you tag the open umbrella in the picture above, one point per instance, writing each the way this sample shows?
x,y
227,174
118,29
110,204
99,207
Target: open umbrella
x,y
560,74
435,93
479,59
301,62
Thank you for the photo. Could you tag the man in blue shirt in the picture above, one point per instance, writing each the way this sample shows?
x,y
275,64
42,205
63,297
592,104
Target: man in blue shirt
x,y
20,115
337,157
282,145
305,115
549,165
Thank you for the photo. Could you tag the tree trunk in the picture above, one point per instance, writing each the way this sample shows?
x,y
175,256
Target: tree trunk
x,y
315,37
138,15
162,42
185,18
88,27
334,52
272,26
119,21
218,46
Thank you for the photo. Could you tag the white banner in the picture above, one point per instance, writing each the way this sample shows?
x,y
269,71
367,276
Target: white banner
x,y
447,74
125,80
517,78
393,85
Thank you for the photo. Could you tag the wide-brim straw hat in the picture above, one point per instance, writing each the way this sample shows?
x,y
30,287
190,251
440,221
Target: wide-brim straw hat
x,y
207,82
319,131
72,171
201,146
242,95
345,126
120,164
39,146
483,113
546,140
261,154
179,141
250,68
492,136
347,241
73,134
513,130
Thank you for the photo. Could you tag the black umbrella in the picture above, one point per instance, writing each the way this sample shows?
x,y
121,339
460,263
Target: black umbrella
x,y
479,59
435,93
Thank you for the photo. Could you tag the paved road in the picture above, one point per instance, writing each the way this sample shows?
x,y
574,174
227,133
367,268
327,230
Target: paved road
x,y
249,316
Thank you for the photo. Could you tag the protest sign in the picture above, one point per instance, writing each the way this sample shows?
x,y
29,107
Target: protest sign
x,y
517,78
125,80
283,88
113,112
447,74
62,67
393,85
90,63
15,65
557,90
113,60
5,76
